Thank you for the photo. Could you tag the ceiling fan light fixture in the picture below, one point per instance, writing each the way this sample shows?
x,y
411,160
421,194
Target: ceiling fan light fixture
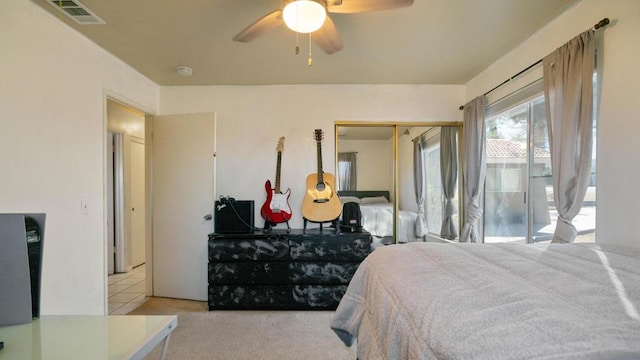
x,y
304,16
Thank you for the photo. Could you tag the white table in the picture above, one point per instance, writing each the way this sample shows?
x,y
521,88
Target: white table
x,y
87,337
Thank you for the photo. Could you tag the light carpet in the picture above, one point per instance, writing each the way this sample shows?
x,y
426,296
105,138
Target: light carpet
x,y
246,334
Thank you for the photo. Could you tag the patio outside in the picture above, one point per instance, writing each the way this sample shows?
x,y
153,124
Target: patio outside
x,y
512,231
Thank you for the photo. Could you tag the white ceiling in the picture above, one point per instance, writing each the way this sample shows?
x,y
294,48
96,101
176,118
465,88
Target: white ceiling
x,y
431,42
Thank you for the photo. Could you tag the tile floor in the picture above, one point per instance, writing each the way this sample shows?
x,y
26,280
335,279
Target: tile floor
x,y
126,291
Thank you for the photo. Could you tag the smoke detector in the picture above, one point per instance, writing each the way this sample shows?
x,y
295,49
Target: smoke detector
x,y
184,71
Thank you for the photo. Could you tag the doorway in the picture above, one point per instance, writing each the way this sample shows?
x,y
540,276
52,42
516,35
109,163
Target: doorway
x,y
127,207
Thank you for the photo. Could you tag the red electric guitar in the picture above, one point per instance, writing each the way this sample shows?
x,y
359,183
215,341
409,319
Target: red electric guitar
x,y
276,209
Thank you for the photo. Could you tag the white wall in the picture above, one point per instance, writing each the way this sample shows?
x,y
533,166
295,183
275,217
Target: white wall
x,y
52,145
125,120
374,163
252,118
618,128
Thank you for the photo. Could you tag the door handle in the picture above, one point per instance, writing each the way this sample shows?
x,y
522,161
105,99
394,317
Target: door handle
x,y
208,217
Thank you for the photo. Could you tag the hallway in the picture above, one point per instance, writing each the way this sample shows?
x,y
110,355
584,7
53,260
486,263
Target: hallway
x,y
127,291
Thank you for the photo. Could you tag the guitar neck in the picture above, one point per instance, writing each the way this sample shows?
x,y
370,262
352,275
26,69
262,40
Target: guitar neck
x,y
277,188
320,179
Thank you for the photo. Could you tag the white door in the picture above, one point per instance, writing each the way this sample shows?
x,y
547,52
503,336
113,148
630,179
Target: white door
x,y
138,215
110,205
183,199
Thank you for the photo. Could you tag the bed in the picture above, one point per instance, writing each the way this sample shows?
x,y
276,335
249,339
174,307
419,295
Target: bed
x,y
493,301
377,216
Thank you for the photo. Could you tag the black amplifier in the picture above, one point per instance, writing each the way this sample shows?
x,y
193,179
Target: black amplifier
x,y
233,216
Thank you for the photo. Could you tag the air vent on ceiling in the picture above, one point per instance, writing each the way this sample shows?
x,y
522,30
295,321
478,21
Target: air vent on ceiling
x,y
77,11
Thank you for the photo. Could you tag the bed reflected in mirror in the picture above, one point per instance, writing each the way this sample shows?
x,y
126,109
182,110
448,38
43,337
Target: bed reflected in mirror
x,y
375,167
366,174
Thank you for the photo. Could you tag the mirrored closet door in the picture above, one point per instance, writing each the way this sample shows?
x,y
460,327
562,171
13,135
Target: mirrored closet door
x,y
405,176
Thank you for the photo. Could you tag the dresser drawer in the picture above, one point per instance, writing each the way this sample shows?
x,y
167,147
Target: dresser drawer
x,y
248,297
283,269
322,272
263,249
249,273
351,247
317,296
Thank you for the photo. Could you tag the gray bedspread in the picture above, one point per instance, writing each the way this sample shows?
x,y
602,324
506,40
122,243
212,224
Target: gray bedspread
x,y
494,301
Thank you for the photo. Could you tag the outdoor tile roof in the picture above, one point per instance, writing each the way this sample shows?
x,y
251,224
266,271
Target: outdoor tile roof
x,y
498,148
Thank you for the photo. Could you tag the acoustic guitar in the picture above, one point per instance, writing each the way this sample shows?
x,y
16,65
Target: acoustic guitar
x,y
321,202
276,209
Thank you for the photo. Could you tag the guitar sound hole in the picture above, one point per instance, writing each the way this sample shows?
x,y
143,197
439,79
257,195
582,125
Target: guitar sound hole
x,y
320,187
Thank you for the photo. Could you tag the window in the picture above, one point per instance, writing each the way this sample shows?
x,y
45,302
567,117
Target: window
x,y
504,180
518,198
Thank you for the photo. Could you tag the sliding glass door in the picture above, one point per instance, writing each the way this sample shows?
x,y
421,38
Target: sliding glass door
x,y
518,191
519,204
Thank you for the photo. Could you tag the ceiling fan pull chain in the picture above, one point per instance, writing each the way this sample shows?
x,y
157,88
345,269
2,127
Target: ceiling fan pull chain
x,y
309,62
297,46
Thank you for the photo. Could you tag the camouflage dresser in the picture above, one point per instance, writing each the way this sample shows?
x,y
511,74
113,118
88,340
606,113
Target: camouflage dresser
x,y
283,270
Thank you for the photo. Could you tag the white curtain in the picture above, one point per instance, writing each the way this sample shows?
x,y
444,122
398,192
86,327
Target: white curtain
x,y
568,91
474,167
347,174
449,177
418,186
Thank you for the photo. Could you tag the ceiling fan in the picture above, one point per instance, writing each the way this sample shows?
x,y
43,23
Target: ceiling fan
x,y
326,36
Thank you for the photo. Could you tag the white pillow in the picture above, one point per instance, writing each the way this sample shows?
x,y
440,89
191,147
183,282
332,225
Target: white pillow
x,y
373,200
346,199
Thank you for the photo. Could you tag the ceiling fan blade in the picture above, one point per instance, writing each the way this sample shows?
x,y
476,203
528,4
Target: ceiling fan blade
x,y
359,6
262,25
327,37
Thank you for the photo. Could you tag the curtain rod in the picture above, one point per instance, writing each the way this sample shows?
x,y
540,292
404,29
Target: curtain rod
x,y
424,133
602,23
